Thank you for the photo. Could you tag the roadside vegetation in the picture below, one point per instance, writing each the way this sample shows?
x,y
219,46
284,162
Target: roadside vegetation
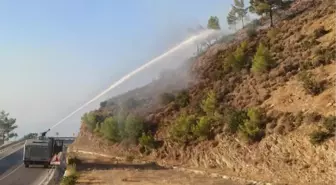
x,y
116,128
71,177
30,136
7,126
71,170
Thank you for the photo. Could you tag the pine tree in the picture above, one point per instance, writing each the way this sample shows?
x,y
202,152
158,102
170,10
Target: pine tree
x,y
209,103
7,126
232,19
262,60
268,7
239,9
213,23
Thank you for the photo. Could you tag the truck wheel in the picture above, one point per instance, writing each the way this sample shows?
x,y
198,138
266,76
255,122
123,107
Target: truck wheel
x,y
26,165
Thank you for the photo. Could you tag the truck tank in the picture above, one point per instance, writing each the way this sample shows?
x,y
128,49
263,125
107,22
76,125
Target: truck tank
x,y
40,151
37,151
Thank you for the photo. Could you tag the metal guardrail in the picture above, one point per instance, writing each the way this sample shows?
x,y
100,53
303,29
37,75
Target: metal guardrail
x,y
11,144
21,140
65,138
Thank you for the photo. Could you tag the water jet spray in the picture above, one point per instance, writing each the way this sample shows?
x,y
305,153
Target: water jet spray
x,y
199,37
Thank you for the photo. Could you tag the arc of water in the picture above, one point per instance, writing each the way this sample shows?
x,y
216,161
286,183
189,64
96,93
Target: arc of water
x,y
201,36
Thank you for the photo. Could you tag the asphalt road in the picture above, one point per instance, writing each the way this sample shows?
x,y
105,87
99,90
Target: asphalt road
x,y
13,172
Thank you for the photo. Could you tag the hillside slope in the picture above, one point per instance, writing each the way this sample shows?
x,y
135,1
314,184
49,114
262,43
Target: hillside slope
x,y
259,111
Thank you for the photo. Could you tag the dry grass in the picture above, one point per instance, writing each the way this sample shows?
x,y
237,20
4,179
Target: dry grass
x,y
292,97
104,171
147,177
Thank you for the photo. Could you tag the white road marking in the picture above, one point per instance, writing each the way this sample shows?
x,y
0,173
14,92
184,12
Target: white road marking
x,y
48,177
11,172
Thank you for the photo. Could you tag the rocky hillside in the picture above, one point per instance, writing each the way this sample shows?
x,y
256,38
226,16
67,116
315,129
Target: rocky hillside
x,y
261,107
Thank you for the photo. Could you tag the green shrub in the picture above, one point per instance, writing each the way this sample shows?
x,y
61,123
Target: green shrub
x,y
237,60
309,84
69,180
209,104
240,57
181,132
254,116
182,98
73,160
97,129
134,126
72,175
166,98
262,60
202,130
251,129
90,119
110,129
318,137
228,62
235,118
147,141
330,124
72,170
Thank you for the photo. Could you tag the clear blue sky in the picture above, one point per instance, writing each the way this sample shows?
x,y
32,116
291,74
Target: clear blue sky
x,y
56,55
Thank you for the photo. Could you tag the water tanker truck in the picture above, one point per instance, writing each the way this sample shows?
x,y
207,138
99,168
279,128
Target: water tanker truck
x,y
39,151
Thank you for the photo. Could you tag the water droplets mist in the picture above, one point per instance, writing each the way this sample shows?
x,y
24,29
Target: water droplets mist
x,y
185,44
